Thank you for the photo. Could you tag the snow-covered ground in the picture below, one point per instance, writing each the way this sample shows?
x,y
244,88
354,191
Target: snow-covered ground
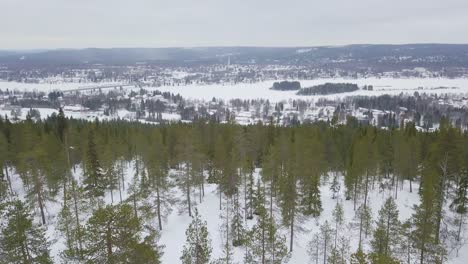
x,y
262,89
86,115
174,226
47,86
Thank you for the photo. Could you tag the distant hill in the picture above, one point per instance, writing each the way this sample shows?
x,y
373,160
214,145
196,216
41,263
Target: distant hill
x,y
355,56
6,53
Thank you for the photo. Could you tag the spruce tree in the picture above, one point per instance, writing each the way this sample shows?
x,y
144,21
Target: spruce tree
x,y
335,186
387,232
21,240
359,257
113,235
459,204
326,237
197,248
364,218
314,248
264,243
237,223
338,218
95,181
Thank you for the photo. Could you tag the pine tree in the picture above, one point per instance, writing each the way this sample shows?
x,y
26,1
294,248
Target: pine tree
x,y
197,248
338,218
343,249
459,204
387,232
314,248
95,182
4,183
250,204
21,240
226,232
335,257
288,188
113,235
310,170
265,244
155,158
326,237
237,223
382,259
359,257
335,186
69,223
364,217
259,198
424,222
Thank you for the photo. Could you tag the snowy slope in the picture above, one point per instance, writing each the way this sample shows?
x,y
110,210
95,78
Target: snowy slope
x,y
173,234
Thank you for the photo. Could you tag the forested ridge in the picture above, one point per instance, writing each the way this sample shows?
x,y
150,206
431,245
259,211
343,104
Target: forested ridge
x,y
78,163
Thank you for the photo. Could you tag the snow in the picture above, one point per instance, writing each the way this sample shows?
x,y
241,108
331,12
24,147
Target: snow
x,y
262,89
174,226
392,86
78,112
46,86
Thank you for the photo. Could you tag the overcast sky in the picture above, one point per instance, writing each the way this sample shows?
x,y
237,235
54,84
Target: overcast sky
x,y
28,24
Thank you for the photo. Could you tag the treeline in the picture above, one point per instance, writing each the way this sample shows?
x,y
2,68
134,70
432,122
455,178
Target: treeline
x,y
286,86
79,162
329,88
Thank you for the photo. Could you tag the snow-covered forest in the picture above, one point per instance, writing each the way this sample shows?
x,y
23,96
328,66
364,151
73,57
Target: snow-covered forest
x,y
74,191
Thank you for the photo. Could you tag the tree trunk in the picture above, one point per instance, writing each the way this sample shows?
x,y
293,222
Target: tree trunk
x,y
263,240
360,229
25,255
200,189
78,227
39,198
396,189
189,202
325,250
220,196
8,178
245,197
135,205
387,235
336,234
158,205
109,244
441,198
411,185
355,194
112,196
291,242
122,176
120,191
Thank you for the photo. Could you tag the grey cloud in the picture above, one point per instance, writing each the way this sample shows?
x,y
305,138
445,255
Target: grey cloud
x,y
160,23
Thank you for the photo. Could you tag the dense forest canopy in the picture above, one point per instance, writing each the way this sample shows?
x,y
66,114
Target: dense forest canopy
x,y
293,162
329,88
286,86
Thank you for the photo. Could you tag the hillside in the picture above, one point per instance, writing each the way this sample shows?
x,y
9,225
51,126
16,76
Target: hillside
x,y
84,187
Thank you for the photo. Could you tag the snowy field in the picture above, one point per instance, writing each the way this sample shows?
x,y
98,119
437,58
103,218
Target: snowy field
x,y
262,89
